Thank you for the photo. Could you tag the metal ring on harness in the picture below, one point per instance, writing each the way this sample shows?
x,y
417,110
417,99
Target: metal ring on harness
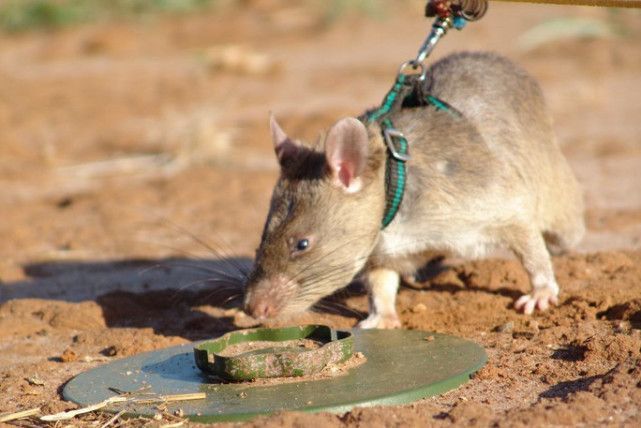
x,y
389,134
412,67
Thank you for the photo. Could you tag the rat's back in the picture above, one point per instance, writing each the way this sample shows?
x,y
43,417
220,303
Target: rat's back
x,y
506,106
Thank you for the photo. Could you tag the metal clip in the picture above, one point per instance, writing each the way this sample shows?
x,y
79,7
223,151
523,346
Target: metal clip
x,y
439,29
389,134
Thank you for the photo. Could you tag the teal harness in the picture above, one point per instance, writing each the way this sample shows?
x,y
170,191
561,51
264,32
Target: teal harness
x,y
407,92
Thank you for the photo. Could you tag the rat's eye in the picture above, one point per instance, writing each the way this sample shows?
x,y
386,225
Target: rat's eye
x,y
302,245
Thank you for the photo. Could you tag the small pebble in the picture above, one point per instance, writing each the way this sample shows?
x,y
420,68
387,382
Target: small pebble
x,y
35,380
110,351
622,327
68,356
505,328
419,307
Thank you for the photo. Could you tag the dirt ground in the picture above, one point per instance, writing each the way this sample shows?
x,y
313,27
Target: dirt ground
x,y
135,166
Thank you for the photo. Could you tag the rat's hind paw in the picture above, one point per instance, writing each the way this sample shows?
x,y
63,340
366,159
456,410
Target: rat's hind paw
x,y
380,321
540,299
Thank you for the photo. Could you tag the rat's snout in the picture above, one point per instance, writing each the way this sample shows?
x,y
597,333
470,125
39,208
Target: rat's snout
x,y
261,310
268,297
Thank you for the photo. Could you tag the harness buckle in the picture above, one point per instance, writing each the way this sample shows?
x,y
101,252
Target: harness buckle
x,y
390,134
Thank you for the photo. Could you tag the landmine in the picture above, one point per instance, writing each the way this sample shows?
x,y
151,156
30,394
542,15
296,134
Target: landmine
x,y
400,366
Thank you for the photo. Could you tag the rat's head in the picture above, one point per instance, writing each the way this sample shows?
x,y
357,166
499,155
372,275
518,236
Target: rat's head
x,y
323,221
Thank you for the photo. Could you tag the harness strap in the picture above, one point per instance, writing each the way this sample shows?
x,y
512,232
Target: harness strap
x,y
395,176
391,99
406,86
410,90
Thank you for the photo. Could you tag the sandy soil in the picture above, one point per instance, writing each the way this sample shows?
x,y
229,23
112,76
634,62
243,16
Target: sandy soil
x,y
135,167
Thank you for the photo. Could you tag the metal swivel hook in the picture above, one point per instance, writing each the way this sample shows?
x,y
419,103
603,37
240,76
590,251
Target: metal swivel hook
x,y
448,13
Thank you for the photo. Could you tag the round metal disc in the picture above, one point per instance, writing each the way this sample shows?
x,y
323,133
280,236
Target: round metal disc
x,y
402,366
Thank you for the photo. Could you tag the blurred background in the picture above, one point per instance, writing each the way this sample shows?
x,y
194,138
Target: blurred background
x,y
128,128
136,169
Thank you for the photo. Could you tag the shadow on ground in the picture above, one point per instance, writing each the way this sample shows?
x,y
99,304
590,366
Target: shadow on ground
x,y
77,281
171,296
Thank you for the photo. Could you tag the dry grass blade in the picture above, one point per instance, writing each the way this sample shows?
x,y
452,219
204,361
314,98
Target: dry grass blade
x,y
173,425
174,397
19,415
62,416
114,419
184,397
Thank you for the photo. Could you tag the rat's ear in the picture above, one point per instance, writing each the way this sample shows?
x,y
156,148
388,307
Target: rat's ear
x,y
284,146
346,150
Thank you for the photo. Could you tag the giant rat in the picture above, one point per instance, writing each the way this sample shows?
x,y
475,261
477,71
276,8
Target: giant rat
x,y
491,178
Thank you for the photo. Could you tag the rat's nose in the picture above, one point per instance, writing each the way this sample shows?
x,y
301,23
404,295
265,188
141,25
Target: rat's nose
x,y
267,297
260,310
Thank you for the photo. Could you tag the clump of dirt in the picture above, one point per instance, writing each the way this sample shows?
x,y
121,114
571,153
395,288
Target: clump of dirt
x,y
68,356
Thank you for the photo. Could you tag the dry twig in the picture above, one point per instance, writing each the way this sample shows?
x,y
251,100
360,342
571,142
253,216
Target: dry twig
x,y
19,415
63,416
114,419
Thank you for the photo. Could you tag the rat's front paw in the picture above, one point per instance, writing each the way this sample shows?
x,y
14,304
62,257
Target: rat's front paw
x,y
540,299
380,321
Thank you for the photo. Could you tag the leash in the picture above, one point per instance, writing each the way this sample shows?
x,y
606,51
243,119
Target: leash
x,y
600,3
408,91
